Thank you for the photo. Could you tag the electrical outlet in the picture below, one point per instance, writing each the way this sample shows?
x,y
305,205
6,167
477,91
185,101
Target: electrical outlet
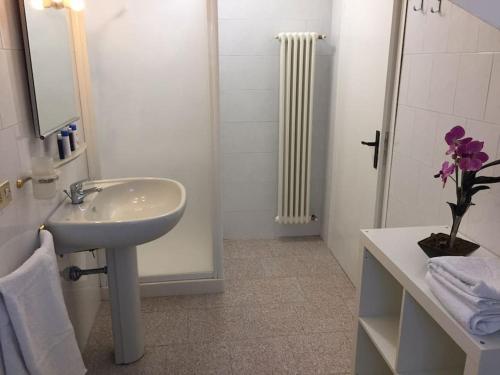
x,y
5,194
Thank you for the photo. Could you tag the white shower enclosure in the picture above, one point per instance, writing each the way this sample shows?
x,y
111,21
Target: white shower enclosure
x,y
154,77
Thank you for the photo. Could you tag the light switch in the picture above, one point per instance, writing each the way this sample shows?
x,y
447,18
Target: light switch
x,y
5,194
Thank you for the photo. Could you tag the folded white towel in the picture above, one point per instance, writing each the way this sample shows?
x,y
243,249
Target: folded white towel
x,y
475,276
478,321
34,304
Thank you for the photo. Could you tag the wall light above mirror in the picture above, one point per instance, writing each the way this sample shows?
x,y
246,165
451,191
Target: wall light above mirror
x,y
50,63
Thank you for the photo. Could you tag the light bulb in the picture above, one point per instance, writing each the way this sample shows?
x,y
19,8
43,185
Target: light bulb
x,y
77,5
37,4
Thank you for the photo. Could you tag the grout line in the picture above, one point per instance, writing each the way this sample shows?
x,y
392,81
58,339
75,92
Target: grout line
x,y
485,108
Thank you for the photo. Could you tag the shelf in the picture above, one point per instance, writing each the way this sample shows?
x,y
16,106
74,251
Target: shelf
x,y
74,155
384,332
423,345
402,328
21,181
381,294
368,359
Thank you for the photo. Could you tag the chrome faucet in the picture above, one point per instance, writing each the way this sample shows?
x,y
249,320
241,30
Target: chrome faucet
x,y
77,193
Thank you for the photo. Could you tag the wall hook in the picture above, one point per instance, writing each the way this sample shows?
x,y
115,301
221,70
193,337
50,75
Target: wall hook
x,y
438,10
421,9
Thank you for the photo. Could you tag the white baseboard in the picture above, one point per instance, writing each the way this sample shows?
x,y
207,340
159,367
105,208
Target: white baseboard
x,y
173,288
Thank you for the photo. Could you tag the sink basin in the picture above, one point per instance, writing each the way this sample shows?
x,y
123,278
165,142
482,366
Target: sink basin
x,y
127,212
122,215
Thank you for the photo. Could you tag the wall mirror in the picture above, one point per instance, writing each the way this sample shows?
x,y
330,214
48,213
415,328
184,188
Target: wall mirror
x,y
50,65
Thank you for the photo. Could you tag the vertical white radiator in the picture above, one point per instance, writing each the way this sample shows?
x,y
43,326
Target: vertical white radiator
x,y
297,58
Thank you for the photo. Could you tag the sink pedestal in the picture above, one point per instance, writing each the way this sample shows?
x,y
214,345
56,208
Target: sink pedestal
x,y
124,294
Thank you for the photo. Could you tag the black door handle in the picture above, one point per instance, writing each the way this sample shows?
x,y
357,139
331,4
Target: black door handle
x,y
375,144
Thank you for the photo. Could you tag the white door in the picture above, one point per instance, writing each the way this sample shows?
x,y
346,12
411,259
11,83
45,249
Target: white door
x,y
365,69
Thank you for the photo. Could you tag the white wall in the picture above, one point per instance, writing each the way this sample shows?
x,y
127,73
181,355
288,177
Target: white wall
x,y
150,72
20,220
249,84
450,76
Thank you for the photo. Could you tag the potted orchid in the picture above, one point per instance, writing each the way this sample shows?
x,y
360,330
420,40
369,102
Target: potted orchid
x,y
467,160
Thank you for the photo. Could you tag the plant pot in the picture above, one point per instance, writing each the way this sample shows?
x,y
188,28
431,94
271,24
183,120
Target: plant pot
x,y
437,246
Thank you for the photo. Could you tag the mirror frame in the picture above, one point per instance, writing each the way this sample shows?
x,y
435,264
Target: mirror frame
x,y
31,80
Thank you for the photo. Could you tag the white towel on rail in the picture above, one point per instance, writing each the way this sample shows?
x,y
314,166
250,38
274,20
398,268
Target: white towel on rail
x,y
42,332
11,359
476,276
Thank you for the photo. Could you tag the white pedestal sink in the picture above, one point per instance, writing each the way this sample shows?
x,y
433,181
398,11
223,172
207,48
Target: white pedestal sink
x,y
124,214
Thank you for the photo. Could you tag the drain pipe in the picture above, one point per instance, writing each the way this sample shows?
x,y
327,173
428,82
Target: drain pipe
x,y
73,273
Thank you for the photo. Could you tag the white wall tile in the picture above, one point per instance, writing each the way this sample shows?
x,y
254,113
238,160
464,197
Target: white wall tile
x,y
249,196
429,190
10,25
404,82
437,25
265,9
404,130
414,38
249,72
472,87
489,38
443,82
8,113
404,178
493,103
249,167
420,79
249,137
249,224
9,154
464,30
14,101
254,37
249,105
423,136
19,83
397,213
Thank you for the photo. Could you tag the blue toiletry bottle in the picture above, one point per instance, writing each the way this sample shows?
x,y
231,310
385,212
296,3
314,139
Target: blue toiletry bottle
x,y
60,146
72,143
66,144
74,128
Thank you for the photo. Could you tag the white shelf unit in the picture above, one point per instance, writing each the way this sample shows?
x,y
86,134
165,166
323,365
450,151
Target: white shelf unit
x,y
402,328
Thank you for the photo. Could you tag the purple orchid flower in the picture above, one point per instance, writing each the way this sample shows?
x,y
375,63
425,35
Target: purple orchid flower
x,y
468,158
471,156
446,171
454,138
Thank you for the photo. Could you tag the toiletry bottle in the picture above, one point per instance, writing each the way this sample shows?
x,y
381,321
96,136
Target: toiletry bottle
x,y
71,139
66,145
60,146
75,134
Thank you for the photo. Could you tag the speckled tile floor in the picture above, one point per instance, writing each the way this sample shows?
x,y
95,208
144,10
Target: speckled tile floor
x,y
288,309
